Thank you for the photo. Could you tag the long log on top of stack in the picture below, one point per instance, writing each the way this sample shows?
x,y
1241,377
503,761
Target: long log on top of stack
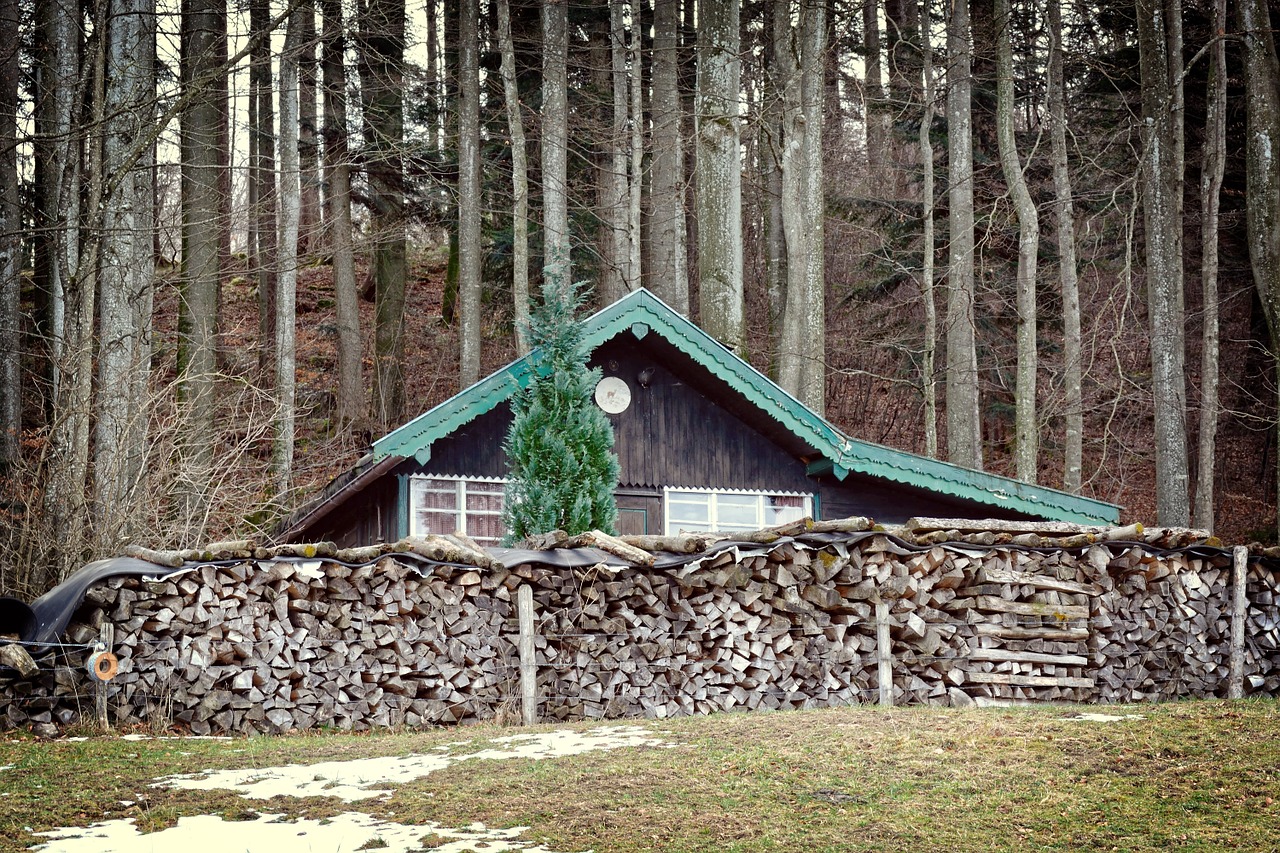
x,y
1042,528
592,539
1046,534
442,549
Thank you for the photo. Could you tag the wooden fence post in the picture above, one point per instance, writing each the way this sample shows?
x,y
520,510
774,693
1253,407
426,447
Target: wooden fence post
x,y
884,651
107,638
1239,611
528,665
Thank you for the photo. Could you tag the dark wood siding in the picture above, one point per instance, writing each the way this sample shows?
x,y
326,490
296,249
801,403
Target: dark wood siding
x,y
892,503
671,435
475,449
369,517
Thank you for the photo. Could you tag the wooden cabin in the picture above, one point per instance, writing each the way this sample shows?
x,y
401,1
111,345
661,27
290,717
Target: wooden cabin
x,y
705,442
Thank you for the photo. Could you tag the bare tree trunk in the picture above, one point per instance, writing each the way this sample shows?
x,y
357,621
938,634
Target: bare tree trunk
x,y
351,403
777,36
813,36
1026,427
308,143
382,89
614,186
519,181
555,139
1262,161
667,233
10,245
1212,168
719,173
874,111
964,418
286,298
1161,205
126,271
226,146
68,465
58,170
469,201
201,256
1177,107
801,368
635,184
262,180
1064,212
435,79
929,380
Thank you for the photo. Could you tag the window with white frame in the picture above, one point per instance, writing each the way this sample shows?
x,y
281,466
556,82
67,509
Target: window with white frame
x,y
726,511
472,506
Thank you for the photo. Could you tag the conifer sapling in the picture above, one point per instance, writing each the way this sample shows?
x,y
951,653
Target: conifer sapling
x,y
562,471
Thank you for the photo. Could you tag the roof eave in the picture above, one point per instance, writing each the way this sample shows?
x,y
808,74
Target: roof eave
x,y
640,311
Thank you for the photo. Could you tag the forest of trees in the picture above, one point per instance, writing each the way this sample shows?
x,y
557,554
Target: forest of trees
x,y
1038,238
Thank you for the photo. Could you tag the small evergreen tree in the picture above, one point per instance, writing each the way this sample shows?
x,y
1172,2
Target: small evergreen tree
x,y
562,470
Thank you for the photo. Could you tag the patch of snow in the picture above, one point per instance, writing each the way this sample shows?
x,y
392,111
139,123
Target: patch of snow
x,y
4,767
366,778
276,834
1103,718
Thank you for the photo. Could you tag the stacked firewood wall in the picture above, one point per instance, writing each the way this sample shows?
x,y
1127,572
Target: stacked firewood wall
x,y
273,645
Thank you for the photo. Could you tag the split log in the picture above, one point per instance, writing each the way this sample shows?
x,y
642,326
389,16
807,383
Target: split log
x,y
1061,612
769,535
442,550
1039,581
852,524
364,554
1130,533
15,656
460,538
1008,632
308,550
1005,655
686,543
1040,528
170,559
1029,680
232,549
612,545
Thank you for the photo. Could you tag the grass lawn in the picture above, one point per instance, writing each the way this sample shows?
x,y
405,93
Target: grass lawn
x,y
1186,776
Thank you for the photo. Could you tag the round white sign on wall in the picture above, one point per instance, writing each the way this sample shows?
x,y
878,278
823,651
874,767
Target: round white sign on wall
x,y
613,395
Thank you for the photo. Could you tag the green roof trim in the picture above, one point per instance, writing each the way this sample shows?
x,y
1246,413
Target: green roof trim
x,y
641,310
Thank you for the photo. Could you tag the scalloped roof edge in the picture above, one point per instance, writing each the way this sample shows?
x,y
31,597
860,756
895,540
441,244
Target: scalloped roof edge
x,y
641,311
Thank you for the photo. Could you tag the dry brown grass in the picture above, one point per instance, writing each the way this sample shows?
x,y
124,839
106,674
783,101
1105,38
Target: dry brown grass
x,y
1194,776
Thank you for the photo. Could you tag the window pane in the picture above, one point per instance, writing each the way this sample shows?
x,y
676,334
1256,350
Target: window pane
x,y
490,501
732,512
689,508
781,509
485,529
437,522
443,496
737,512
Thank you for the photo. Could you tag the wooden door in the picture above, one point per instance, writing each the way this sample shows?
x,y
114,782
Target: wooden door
x,y
639,513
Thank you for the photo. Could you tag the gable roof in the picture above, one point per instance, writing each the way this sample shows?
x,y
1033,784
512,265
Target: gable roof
x,y
641,313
